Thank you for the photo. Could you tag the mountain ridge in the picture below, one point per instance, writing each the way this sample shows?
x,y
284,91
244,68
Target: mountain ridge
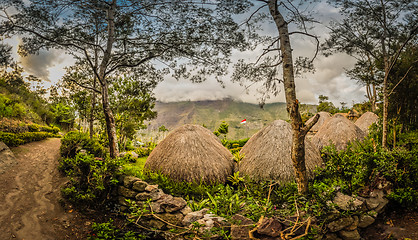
x,y
211,113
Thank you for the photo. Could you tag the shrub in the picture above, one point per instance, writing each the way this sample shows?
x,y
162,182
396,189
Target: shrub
x,y
33,127
365,164
74,141
11,108
11,139
53,130
91,178
16,139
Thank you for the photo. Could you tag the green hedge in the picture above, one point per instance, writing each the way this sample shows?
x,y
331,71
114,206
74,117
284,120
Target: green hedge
x,y
16,139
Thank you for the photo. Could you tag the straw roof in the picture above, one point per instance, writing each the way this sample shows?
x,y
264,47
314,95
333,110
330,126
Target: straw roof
x,y
366,120
268,154
323,117
191,153
338,131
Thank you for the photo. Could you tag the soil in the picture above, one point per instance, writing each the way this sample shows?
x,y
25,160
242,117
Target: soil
x,y
30,205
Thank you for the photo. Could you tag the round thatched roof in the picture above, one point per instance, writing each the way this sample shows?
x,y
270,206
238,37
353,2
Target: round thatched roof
x,y
268,154
323,117
191,153
366,120
339,131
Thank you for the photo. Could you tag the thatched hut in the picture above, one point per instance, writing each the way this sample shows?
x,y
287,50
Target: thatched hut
x,y
323,117
338,131
268,154
366,120
191,153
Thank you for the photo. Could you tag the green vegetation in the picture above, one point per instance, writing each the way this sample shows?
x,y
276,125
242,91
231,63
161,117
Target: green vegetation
x,y
16,139
107,230
74,141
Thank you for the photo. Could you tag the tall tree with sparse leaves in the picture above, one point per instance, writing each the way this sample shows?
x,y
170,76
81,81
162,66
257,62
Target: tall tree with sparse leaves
x,y
277,52
379,29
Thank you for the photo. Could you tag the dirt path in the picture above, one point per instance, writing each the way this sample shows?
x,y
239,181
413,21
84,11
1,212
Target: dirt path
x,y
29,197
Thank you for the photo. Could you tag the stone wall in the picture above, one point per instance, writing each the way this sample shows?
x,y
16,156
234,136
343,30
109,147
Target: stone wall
x,y
362,213
167,212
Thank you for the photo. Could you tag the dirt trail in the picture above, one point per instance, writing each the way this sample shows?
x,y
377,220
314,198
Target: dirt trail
x,y
30,193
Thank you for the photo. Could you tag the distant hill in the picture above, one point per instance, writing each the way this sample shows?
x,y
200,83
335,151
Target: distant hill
x,y
212,113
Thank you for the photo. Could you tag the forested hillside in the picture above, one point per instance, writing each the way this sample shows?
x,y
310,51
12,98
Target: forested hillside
x,y
212,113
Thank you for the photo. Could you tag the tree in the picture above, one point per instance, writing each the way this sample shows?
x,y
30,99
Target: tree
x,y
325,105
404,94
376,29
223,129
192,38
278,51
5,54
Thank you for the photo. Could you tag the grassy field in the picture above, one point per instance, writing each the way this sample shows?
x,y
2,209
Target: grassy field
x,y
135,168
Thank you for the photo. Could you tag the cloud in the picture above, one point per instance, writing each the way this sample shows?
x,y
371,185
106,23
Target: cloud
x,y
40,65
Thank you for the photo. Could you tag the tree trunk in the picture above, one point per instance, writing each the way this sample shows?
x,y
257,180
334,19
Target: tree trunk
x,y
298,130
110,120
93,96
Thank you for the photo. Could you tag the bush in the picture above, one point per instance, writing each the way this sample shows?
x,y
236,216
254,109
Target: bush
x,y
74,141
362,166
53,130
91,179
11,139
11,108
33,127
16,139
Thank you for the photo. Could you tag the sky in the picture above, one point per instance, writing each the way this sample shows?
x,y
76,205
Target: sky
x,y
328,79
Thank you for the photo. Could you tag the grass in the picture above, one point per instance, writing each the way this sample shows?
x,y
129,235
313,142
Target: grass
x,y
135,169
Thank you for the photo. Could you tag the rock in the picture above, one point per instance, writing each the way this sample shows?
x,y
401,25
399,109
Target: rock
x,y
349,235
365,221
333,215
340,224
150,188
378,202
7,158
354,225
172,204
194,216
143,196
347,203
155,224
122,201
172,218
126,192
156,194
186,210
156,207
139,186
331,236
372,214
270,227
240,227
210,221
128,181
372,203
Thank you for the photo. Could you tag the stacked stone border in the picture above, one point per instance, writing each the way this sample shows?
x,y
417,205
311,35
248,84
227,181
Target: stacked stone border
x,y
349,214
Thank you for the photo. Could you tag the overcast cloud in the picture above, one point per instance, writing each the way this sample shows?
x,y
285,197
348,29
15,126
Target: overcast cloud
x,y
329,78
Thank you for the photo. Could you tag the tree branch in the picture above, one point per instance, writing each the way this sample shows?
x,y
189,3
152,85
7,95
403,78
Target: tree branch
x,y
409,69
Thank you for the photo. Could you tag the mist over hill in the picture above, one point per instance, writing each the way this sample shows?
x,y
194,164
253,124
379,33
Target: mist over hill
x,y
211,113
